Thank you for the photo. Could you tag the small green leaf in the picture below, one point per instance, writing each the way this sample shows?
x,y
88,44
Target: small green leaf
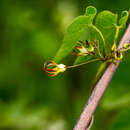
x,y
91,12
123,19
74,33
106,22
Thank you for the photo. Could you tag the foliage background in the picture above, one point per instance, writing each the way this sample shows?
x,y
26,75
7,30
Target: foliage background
x,y
31,31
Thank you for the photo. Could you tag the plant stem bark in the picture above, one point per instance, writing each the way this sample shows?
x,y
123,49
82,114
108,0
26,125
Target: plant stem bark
x,y
98,91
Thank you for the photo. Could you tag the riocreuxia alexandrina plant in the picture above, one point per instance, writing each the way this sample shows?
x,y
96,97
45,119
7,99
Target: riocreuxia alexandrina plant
x,y
91,39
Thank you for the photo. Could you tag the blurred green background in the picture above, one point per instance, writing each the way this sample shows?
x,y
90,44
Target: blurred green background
x,y
31,31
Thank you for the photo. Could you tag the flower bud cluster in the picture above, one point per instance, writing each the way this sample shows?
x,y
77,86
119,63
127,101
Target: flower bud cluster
x,y
83,48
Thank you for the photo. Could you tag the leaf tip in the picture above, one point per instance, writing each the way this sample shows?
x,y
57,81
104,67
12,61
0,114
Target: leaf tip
x,y
91,11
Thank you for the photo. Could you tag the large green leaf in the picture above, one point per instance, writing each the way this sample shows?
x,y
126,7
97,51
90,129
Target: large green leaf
x,y
106,22
75,32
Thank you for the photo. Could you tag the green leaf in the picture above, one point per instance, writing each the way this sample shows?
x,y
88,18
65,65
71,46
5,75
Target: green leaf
x,y
123,19
106,22
74,33
91,12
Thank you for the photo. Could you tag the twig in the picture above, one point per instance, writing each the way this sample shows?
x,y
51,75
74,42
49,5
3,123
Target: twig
x,y
90,61
86,115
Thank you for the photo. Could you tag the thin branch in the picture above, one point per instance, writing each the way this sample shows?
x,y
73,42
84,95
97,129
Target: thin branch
x,y
86,115
77,65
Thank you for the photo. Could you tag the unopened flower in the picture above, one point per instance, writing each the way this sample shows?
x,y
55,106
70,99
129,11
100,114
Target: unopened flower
x,y
52,69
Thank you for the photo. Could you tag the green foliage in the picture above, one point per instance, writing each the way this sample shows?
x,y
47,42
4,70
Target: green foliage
x,y
31,32
105,31
106,22
74,33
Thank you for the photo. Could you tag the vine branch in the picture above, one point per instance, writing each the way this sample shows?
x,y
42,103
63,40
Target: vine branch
x,y
98,91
